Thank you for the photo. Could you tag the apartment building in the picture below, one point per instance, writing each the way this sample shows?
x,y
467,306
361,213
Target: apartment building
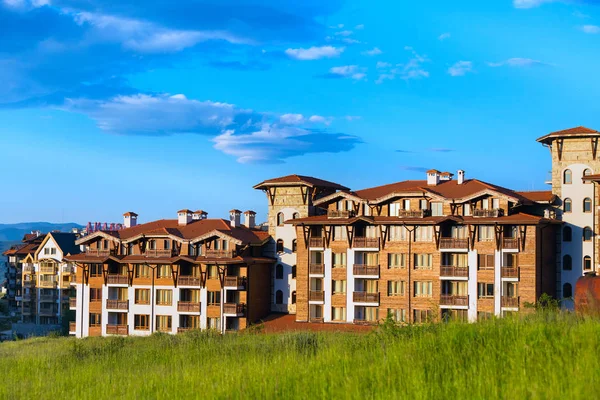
x,y
173,275
417,250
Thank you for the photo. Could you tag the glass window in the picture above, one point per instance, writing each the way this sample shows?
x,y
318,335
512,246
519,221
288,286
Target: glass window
x,y
567,205
567,262
95,320
485,233
567,177
164,271
142,296
485,290
279,297
567,234
296,215
396,288
587,234
294,245
587,263
423,261
338,313
396,260
213,272
437,209
339,233
279,271
587,172
280,219
163,323
398,233
214,298
422,289
339,260
164,297
338,287
280,245
293,272
398,315
142,271
141,322
423,233
567,290
587,205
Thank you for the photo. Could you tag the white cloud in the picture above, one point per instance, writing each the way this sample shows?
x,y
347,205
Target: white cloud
x,y
25,4
444,36
517,62
351,41
352,117
348,71
292,119
579,14
375,51
381,64
343,33
592,29
530,3
460,68
318,119
413,69
359,27
315,53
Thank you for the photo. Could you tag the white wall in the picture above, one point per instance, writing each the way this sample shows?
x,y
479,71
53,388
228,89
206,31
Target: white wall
x,y
287,285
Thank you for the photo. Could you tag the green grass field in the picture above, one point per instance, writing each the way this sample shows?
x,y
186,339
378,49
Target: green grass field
x,y
544,356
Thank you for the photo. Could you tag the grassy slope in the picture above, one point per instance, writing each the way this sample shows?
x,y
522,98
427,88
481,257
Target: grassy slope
x,y
512,359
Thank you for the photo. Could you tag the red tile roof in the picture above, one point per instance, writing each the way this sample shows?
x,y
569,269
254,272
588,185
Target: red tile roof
x,y
299,179
579,131
538,195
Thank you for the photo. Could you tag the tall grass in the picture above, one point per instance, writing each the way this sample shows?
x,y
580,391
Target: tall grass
x,y
546,356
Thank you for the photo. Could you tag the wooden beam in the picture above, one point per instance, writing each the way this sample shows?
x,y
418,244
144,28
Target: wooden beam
x,y
472,235
523,235
105,273
271,192
328,229
130,268
594,147
304,190
175,273
383,234
306,234
349,235
437,234
559,148
498,234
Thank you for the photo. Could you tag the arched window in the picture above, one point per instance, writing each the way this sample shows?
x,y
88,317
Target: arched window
x,y
279,271
587,234
279,297
567,234
280,245
294,245
587,205
280,219
294,272
567,177
567,262
294,297
567,290
587,262
567,205
296,215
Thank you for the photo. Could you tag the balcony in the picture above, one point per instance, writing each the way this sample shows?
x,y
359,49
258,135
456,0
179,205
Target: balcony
x,y
510,243
188,306
73,303
188,281
72,327
47,269
316,295
117,304
185,329
453,271
365,242
47,284
28,268
340,214
454,243
219,254
159,253
366,270
68,269
29,284
26,311
364,297
233,308
316,269
316,242
453,300
235,281
48,312
117,279
47,297
510,302
414,213
509,272
100,252
494,213
117,329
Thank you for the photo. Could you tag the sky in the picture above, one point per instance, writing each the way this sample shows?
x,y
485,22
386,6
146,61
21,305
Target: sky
x,y
156,106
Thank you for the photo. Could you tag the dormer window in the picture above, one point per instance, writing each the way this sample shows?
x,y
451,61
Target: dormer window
x,y
437,209
485,204
406,204
495,204
167,245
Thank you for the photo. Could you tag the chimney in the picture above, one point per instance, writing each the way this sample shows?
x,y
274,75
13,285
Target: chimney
x,y
433,177
250,219
446,176
184,217
200,214
461,176
129,219
234,217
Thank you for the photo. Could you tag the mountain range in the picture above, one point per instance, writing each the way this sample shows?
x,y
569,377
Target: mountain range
x,y
13,233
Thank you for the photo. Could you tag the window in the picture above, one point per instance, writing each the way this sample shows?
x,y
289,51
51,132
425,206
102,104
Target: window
x,y
213,298
406,204
279,271
212,271
398,233
339,260
95,320
95,295
495,204
587,262
466,209
296,215
485,204
423,261
141,322
422,316
567,234
338,313
225,244
46,251
394,209
371,314
279,297
396,288
567,205
293,272
486,233
294,297
339,234
280,245
152,244
53,251
164,297
338,287
567,177
95,270
587,234
164,271
587,205
294,245
167,245
163,323
142,296
587,172
567,290
280,219
398,315
567,262
397,260
485,290
423,233
437,209
423,205
130,249
422,289
142,271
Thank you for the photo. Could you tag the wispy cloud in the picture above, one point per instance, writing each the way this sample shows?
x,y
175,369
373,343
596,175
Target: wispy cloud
x,y
460,68
375,51
413,69
343,33
292,119
404,151
315,53
441,150
352,117
444,36
579,14
346,71
530,3
591,29
413,168
517,62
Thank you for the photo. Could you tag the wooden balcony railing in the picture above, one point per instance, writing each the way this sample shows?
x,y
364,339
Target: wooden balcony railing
x,y
453,300
117,304
454,243
509,272
73,302
233,308
316,242
28,268
47,297
316,295
510,301
235,281
166,253
47,284
364,297
188,280
46,269
340,214
117,279
453,271
365,242
48,312
510,243
188,306
117,329
318,320
414,213
68,269
316,269
363,269
29,284
100,252
219,254
494,213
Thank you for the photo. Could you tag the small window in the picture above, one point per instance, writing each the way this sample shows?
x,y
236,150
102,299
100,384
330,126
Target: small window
x,y
587,205
279,297
587,263
567,262
280,219
167,245
294,272
280,245
587,172
587,234
567,205
296,215
294,245
294,297
567,234
567,290
279,271
567,177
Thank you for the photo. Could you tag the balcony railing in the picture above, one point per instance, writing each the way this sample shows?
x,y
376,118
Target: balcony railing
x,y
494,213
100,252
48,312
364,297
316,269
47,297
340,214
510,301
318,320
453,271
117,279
509,272
454,243
117,329
188,306
364,242
219,254
168,253
414,213
316,295
47,269
185,329
117,304
73,302
235,281
453,300
47,284
510,243
233,308
29,284
363,269
68,269
72,326
316,242
188,280
28,268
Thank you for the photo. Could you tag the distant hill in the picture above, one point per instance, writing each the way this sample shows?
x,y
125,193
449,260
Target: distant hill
x,y
13,233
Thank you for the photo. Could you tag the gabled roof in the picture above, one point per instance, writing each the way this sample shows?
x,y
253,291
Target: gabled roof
x,y
539,196
579,131
66,242
295,180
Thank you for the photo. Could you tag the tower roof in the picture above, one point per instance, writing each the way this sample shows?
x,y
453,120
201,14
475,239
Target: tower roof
x,y
577,132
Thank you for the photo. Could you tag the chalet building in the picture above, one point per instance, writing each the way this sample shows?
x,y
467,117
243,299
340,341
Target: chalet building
x,y
172,275
417,250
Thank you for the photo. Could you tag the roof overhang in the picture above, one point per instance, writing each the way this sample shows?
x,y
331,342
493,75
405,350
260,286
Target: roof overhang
x,y
215,233
337,195
93,236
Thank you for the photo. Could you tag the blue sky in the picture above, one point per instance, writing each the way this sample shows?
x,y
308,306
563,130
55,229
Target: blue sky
x,y
107,108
